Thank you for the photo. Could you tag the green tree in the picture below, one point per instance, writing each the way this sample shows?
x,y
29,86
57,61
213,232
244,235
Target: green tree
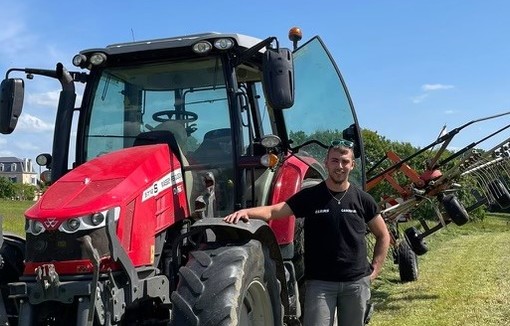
x,y
6,188
24,191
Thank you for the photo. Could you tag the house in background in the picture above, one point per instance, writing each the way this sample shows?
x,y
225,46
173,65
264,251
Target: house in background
x,y
18,170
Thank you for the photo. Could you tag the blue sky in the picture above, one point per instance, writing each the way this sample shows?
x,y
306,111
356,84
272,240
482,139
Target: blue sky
x,y
410,66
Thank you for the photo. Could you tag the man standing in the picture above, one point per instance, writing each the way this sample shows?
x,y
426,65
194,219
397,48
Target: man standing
x,y
337,272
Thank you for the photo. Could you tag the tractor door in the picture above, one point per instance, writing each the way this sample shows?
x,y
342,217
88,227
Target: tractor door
x,y
323,109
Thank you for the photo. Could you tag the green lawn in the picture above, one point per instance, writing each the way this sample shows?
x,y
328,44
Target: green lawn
x,y
12,213
464,280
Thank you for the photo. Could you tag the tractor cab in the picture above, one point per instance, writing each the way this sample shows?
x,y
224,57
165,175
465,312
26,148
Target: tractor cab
x,y
212,98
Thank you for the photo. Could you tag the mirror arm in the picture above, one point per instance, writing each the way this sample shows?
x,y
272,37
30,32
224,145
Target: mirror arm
x,y
248,53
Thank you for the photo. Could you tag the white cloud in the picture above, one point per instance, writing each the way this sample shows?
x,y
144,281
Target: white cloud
x,y
449,112
5,153
31,123
3,141
25,145
419,98
48,99
435,87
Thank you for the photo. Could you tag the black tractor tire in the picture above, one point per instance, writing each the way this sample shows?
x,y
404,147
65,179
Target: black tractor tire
x,y
417,244
228,285
407,263
12,255
455,210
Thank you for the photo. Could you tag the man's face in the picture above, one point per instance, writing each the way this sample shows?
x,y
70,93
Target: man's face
x,y
339,164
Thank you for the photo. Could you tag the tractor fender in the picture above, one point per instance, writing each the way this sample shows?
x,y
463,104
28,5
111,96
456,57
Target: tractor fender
x,y
288,181
245,231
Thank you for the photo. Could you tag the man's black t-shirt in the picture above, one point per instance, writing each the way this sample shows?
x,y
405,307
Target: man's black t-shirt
x,y
335,246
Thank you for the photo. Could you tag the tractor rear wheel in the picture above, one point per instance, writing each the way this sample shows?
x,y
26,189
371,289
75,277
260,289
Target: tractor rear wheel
x,y
407,262
234,285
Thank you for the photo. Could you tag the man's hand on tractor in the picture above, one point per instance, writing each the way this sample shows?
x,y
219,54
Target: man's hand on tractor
x,y
236,216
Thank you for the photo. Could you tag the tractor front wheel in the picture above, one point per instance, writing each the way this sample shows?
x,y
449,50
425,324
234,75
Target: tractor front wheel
x,y
234,285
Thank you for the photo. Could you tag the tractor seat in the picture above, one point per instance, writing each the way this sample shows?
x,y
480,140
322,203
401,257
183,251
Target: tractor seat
x,y
216,146
159,137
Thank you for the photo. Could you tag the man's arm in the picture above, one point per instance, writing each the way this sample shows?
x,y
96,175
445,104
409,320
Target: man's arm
x,y
382,242
265,213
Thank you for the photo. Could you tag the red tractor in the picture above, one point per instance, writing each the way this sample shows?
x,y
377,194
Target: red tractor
x,y
171,135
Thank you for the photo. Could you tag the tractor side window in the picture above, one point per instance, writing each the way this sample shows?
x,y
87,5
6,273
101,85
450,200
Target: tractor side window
x,y
106,127
250,121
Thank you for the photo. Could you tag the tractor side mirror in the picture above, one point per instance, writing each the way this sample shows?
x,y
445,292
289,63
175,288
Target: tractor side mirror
x,y
11,103
352,133
278,78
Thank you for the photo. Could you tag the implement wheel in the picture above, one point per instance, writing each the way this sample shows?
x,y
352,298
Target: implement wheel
x,y
407,263
234,285
416,243
455,210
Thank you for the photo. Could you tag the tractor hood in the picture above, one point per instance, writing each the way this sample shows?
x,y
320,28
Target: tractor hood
x,y
107,181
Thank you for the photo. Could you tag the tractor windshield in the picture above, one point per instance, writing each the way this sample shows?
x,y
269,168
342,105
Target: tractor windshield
x,y
187,98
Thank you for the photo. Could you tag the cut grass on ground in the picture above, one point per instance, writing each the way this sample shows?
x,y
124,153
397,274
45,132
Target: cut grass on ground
x,y
464,280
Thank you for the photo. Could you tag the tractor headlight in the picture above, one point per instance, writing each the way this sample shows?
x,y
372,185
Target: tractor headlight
x,y
89,222
270,141
72,225
34,227
97,219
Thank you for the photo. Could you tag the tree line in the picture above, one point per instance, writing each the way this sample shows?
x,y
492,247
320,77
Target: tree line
x,y
16,191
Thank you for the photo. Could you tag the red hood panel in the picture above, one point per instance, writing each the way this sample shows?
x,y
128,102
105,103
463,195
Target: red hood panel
x,y
103,182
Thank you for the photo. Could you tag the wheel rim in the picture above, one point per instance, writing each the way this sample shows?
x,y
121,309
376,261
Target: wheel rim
x,y
256,307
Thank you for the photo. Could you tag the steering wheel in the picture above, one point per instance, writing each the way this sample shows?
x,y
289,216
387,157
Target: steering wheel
x,y
166,115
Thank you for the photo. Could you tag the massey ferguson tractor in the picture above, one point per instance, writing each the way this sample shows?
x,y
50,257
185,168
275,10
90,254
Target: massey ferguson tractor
x,y
170,136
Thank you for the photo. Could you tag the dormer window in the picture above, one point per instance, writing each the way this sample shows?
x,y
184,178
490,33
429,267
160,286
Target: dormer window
x,y
13,167
2,167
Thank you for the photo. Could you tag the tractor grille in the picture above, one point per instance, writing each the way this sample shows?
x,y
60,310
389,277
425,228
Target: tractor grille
x,y
60,246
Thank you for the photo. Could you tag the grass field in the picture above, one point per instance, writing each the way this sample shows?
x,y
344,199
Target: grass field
x,y
12,213
464,278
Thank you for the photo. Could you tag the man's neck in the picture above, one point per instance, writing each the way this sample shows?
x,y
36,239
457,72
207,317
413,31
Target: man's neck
x,y
337,187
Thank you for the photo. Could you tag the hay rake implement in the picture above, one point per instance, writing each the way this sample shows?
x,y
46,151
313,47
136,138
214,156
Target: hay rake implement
x,y
439,185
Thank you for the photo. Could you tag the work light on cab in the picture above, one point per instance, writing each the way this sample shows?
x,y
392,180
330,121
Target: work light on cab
x,y
98,58
202,47
223,43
